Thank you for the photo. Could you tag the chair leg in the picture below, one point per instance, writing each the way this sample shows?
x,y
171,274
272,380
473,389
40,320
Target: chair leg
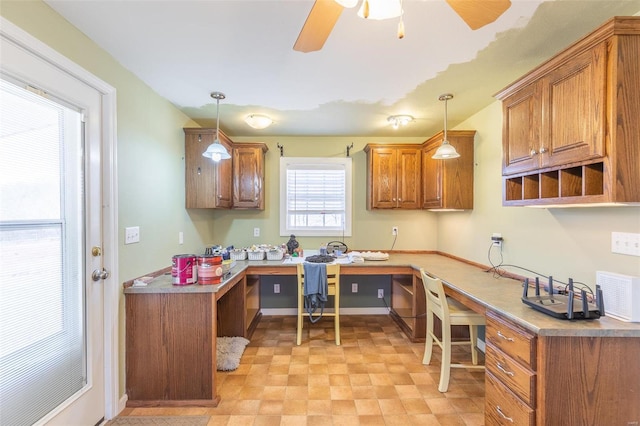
x,y
336,318
445,369
428,341
473,335
300,322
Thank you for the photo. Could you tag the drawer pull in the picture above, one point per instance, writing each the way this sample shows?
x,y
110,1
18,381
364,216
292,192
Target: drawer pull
x,y
508,339
501,368
502,414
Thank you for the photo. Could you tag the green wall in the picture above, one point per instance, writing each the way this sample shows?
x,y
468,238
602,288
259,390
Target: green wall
x,y
563,242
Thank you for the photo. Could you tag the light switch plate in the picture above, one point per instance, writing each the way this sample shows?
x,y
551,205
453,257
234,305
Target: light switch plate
x,y
132,235
625,243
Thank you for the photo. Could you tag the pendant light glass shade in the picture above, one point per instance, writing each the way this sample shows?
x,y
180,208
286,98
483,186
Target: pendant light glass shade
x,y
445,151
216,151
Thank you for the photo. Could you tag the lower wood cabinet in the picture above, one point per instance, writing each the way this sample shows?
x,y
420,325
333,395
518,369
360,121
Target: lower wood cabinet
x,y
408,305
510,362
534,379
171,341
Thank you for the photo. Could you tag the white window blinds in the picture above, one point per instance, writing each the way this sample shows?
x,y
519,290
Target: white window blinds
x,y
315,196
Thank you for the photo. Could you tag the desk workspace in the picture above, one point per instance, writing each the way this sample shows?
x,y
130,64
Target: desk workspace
x,y
534,345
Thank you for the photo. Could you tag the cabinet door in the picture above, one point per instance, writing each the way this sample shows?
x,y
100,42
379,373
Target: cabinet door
x,y
207,184
409,175
431,179
224,181
383,178
248,175
521,130
574,121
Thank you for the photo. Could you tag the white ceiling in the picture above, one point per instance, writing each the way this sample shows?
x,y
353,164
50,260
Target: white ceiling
x,y
187,49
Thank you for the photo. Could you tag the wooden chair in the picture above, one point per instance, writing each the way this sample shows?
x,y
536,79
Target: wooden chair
x,y
333,284
450,312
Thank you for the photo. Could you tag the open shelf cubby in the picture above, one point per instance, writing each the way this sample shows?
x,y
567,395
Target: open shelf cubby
x,y
566,183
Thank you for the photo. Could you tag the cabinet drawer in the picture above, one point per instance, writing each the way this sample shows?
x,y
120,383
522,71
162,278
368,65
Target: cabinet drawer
x,y
520,380
502,407
514,341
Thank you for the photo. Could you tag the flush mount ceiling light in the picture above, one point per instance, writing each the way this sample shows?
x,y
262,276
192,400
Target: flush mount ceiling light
x,y
258,121
216,151
399,120
446,150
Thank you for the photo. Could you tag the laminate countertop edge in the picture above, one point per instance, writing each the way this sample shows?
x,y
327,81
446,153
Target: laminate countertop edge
x,y
499,294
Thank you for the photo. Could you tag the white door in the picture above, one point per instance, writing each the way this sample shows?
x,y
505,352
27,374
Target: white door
x,y
52,327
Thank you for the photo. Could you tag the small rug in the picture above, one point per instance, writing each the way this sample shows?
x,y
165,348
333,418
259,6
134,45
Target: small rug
x,y
159,421
229,352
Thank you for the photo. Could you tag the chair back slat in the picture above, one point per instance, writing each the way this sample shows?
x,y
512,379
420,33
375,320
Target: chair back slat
x,y
436,298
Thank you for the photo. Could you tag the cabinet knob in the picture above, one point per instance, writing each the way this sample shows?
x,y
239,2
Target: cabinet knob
x,y
393,199
543,150
400,199
533,152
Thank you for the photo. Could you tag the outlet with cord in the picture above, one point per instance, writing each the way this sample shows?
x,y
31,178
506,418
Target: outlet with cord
x,y
394,230
496,239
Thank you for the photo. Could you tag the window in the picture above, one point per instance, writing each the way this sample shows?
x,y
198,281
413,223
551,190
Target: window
x,y
315,196
42,340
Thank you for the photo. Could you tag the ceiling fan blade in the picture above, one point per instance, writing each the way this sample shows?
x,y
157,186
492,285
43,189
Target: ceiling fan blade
x,y
478,13
323,16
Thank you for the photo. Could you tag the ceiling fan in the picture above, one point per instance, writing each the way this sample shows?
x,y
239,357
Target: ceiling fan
x,y
325,13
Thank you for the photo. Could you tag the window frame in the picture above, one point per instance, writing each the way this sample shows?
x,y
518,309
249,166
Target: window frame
x,y
314,162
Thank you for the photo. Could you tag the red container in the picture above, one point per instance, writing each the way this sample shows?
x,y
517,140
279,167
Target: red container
x,y
184,269
209,269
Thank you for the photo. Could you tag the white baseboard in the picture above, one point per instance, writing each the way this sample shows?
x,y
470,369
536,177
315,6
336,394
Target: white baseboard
x,y
122,403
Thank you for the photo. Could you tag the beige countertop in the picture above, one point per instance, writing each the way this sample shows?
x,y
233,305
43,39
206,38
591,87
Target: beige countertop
x,y
500,294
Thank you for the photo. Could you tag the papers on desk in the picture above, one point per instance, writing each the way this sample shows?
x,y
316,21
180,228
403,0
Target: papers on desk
x,y
343,260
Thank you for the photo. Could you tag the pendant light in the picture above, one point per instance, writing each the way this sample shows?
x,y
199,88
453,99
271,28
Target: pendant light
x,y
216,151
446,150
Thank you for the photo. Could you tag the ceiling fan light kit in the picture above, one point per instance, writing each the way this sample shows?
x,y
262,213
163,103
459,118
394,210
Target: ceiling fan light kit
x,y
258,121
445,151
380,9
325,13
399,120
216,151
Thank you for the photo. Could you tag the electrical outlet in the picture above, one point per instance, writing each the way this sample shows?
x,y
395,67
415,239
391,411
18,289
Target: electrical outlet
x,y
380,293
496,239
180,237
256,232
132,235
354,287
276,288
394,230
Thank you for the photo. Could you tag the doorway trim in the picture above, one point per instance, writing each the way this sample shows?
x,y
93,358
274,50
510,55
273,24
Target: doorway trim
x,y
12,32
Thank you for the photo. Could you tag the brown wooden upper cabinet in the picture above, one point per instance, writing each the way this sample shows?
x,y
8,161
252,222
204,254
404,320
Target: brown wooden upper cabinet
x,y
559,118
248,175
393,176
448,184
234,183
570,127
208,185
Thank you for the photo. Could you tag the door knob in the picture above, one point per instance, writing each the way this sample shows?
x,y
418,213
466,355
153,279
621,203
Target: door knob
x,y
100,274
